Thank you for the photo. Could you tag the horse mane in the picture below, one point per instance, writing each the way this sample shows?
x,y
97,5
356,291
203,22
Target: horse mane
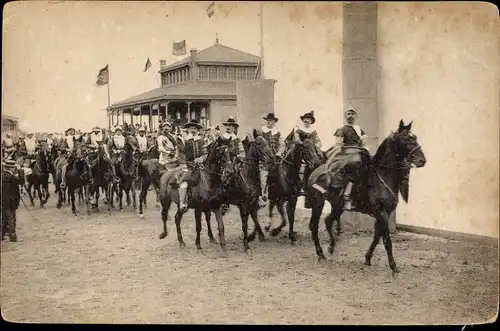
x,y
382,150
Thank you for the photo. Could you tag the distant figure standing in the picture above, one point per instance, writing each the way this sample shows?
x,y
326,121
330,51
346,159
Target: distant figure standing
x,y
10,198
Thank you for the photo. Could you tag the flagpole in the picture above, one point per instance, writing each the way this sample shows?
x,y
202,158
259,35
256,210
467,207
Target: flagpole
x,y
261,41
109,105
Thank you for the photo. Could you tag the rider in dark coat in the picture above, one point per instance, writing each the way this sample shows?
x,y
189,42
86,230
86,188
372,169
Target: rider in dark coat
x,y
10,198
350,155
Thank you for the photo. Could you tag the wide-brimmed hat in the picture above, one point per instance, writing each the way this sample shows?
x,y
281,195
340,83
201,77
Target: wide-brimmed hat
x,y
118,128
96,128
270,117
166,123
350,110
70,128
142,129
30,134
193,123
309,115
231,122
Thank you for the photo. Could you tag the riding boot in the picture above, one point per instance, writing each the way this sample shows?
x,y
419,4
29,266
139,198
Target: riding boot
x,y
263,187
347,197
182,195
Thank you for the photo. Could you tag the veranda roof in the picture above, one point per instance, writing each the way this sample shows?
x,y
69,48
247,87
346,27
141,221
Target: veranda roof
x,y
188,90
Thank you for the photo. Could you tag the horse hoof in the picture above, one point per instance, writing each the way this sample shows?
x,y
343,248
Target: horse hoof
x,y
274,232
395,270
141,216
330,250
267,228
213,241
163,235
367,262
182,244
321,259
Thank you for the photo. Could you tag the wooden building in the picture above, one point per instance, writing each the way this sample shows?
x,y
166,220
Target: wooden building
x,y
201,86
9,123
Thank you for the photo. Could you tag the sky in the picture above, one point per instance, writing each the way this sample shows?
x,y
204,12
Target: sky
x,y
53,52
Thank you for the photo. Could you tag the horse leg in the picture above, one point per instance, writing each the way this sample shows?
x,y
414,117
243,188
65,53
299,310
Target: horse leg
x,y
71,198
178,219
220,225
143,196
329,228
46,190
197,217
39,190
290,209
59,198
317,209
88,192
244,225
209,228
164,217
127,194
120,197
272,203
258,228
383,224
97,196
108,189
134,199
28,189
281,210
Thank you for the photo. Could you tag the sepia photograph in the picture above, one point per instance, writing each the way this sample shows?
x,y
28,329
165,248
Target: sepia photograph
x,y
246,162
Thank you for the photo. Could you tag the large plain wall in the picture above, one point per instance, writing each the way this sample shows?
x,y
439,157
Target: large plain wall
x,y
255,98
220,110
439,68
308,64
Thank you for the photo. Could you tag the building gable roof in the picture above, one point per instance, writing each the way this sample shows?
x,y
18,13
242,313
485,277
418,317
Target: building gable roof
x,y
217,53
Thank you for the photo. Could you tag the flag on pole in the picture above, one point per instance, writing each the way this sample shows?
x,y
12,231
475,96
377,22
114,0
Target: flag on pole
x,y
179,48
103,76
148,65
211,9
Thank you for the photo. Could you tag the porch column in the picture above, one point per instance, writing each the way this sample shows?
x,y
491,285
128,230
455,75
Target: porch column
x,y
123,116
140,116
150,117
189,111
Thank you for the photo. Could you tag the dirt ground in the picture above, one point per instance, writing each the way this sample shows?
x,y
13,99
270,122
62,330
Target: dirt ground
x,y
114,269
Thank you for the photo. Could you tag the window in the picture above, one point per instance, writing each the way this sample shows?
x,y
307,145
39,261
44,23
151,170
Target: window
x,y
222,73
231,73
250,72
203,72
240,73
212,73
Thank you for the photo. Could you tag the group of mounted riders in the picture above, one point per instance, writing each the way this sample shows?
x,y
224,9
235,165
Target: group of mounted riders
x,y
217,168
165,146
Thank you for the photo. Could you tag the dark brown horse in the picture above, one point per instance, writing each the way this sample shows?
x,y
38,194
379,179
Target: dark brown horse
x,y
126,171
101,177
284,183
241,186
39,178
204,194
387,175
77,175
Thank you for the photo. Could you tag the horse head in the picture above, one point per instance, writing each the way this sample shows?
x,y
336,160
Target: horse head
x,y
408,150
258,148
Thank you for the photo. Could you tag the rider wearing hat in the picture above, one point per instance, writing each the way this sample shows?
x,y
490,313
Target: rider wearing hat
x,y
196,152
167,146
351,150
115,147
142,140
8,146
300,133
31,145
273,136
96,138
236,149
10,199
